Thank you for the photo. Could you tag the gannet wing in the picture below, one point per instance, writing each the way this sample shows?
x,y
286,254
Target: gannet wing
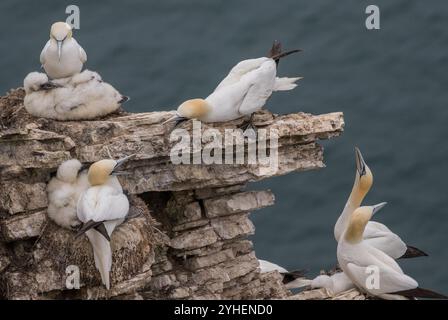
x,y
82,55
387,280
111,207
239,70
42,54
385,241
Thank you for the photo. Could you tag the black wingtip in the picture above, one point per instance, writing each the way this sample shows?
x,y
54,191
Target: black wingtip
x,y
97,225
413,252
421,293
293,275
124,99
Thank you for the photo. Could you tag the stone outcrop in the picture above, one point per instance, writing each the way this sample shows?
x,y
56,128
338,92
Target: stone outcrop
x,y
190,240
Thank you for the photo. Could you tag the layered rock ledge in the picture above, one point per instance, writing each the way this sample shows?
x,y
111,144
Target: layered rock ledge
x,y
191,240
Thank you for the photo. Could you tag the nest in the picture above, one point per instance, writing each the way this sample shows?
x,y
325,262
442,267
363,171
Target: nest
x,y
133,244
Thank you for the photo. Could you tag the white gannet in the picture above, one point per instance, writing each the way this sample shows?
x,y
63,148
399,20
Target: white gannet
x,y
101,208
64,191
62,56
370,269
80,97
244,91
376,234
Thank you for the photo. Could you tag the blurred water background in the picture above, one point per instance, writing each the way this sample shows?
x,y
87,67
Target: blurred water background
x,y
390,84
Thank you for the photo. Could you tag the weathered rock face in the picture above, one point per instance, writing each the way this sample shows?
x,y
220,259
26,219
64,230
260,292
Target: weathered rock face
x,y
191,240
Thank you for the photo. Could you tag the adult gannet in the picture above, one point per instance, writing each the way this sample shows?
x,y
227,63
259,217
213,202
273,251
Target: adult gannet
x,y
64,191
244,91
80,97
62,56
369,268
377,234
101,208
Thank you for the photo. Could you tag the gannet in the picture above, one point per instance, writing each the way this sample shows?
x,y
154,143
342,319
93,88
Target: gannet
x,y
244,91
62,56
101,208
288,276
64,191
335,283
358,259
377,234
80,97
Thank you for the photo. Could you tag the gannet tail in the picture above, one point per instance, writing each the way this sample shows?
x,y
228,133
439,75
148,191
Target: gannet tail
x,y
285,84
413,252
102,253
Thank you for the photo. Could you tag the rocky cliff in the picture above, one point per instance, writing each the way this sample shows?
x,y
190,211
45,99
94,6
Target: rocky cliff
x,y
190,240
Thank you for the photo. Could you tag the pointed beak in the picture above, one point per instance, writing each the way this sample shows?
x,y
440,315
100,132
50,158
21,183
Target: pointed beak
x,y
360,163
177,119
59,42
284,54
378,207
120,162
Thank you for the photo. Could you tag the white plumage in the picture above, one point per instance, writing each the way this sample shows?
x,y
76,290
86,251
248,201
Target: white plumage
x,y
103,202
335,284
357,259
81,97
64,191
376,234
242,92
62,56
266,266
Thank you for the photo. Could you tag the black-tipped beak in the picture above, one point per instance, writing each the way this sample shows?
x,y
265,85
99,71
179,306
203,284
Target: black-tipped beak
x,y
120,162
284,54
378,207
124,99
360,163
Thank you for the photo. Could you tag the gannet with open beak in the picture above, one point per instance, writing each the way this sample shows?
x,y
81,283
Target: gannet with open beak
x,y
102,208
369,268
244,91
376,234
62,56
64,191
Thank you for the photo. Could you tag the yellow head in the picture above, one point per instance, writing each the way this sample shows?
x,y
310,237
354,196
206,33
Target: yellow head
x,y
358,222
60,31
193,109
100,171
363,180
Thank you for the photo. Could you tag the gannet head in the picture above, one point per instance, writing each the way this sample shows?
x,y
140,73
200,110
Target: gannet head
x,y
191,109
59,32
358,221
364,175
100,171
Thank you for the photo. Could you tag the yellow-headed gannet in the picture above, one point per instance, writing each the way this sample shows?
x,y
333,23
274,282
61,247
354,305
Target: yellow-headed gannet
x,y
62,56
376,234
101,208
244,91
370,269
64,191
80,97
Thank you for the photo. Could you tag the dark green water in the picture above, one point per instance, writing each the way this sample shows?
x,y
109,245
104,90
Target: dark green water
x,y
390,84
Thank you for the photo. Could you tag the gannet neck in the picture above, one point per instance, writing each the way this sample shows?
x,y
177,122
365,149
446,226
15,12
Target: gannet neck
x,y
357,224
100,171
194,109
